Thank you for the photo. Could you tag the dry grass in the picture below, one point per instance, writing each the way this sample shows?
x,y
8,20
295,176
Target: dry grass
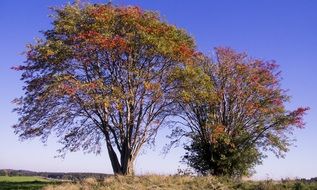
x,y
161,182
153,182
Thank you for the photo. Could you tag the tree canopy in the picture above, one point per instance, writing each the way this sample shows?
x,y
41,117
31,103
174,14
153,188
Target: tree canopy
x,y
111,76
99,76
238,111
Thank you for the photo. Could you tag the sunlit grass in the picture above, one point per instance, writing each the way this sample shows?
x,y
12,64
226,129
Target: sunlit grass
x,y
159,182
155,182
23,183
22,179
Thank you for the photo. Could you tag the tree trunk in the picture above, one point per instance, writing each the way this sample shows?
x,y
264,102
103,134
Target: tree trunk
x,y
114,161
112,155
127,160
127,167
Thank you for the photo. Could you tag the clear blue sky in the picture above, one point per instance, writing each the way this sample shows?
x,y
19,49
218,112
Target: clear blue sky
x,y
283,30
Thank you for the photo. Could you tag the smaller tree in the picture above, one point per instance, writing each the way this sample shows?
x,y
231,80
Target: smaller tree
x,y
234,109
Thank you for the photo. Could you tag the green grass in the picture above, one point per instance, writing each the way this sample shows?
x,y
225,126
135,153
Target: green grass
x,y
22,183
22,179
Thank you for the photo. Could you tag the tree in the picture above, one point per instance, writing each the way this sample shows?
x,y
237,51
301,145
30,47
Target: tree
x,y
99,76
237,114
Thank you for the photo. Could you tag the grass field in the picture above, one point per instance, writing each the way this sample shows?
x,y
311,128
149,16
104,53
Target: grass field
x,y
22,183
22,179
155,182
148,182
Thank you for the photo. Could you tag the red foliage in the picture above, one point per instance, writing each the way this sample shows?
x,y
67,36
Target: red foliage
x,y
68,89
297,117
253,84
99,12
133,11
184,51
104,42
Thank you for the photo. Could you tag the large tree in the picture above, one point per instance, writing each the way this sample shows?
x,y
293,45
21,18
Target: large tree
x,y
234,108
100,76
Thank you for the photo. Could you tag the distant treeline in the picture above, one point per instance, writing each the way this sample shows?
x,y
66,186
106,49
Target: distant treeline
x,y
53,175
